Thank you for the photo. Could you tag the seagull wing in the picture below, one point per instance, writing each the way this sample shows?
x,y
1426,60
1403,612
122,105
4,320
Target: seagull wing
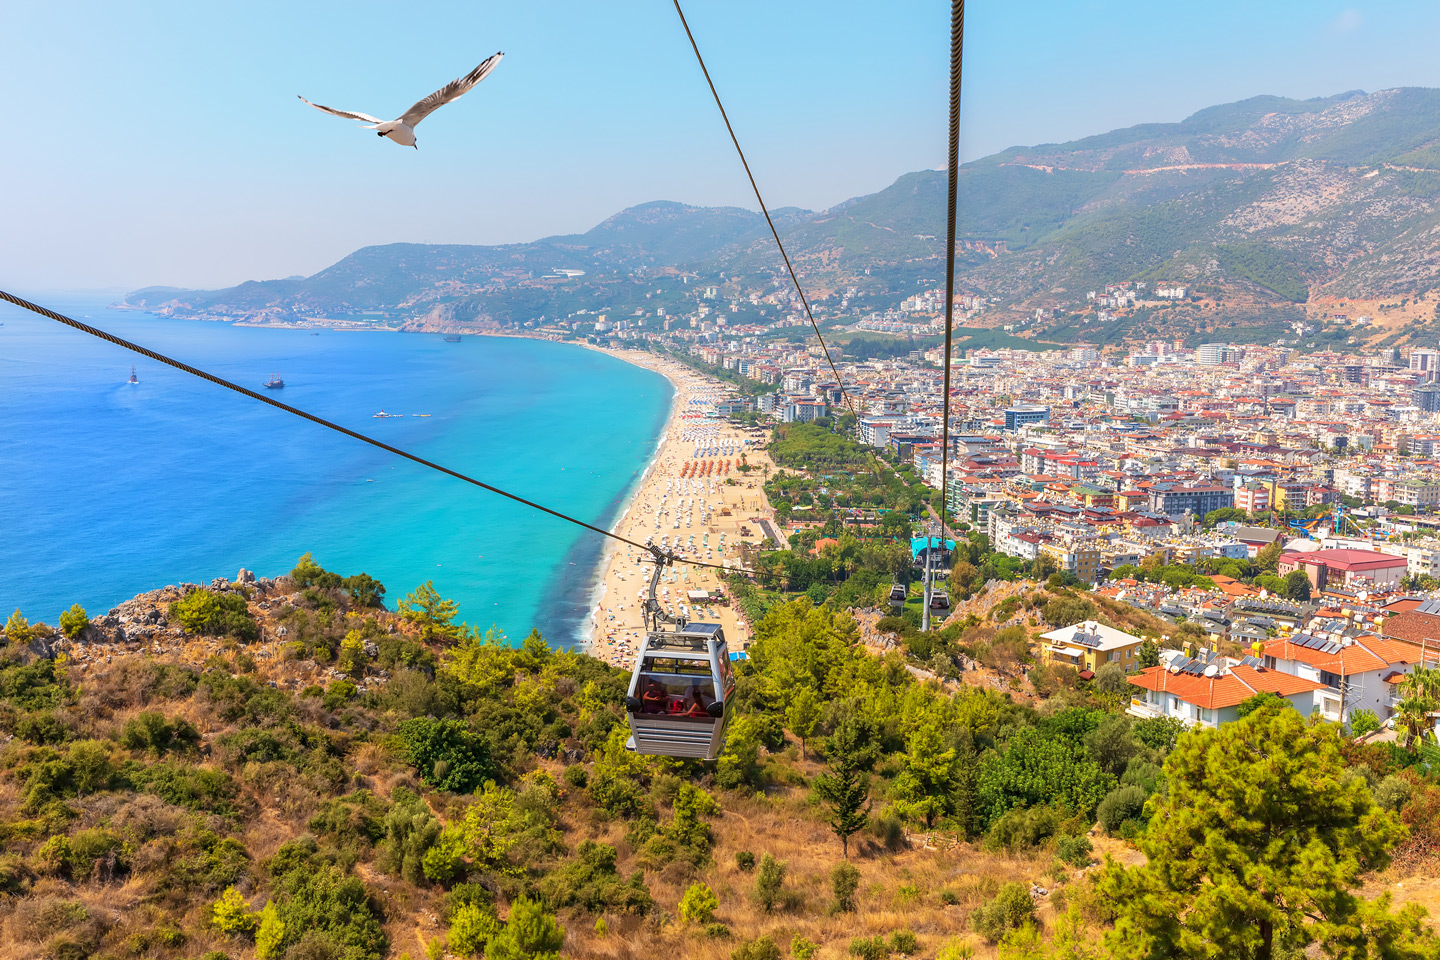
x,y
344,113
453,90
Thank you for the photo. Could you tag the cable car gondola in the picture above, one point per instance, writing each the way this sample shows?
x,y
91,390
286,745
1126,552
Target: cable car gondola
x,y
681,685
898,594
939,600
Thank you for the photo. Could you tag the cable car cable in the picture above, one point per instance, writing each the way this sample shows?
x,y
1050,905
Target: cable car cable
x,y
957,37
356,435
804,301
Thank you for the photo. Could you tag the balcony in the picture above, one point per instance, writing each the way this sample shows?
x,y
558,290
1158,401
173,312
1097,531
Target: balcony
x,y
1140,707
1329,708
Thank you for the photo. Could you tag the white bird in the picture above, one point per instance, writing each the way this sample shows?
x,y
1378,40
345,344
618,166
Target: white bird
x,y
402,130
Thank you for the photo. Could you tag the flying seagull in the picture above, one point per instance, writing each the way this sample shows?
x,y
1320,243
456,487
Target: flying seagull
x,y
402,131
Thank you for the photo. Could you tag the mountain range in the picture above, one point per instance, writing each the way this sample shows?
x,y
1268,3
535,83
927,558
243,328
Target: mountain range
x,y
1265,203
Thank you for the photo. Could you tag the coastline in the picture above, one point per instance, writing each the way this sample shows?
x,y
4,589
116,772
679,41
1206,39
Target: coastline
x,y
720,515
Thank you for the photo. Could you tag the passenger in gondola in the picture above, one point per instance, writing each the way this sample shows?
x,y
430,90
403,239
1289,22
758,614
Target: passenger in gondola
x,y
697,704
654,697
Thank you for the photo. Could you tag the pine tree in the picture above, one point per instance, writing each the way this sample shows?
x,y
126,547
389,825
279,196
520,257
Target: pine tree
x,y
1257,848
844,789
434,615
803,715
927,784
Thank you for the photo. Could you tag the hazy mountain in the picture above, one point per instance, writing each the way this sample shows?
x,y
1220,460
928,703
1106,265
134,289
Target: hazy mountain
x,y
1268,200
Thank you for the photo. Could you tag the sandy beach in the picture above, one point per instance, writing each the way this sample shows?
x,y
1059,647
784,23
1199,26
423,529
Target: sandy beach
x,y
693,500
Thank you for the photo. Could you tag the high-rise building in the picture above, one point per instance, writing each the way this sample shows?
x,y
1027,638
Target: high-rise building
x,y
1425,362
1212,353
1427,398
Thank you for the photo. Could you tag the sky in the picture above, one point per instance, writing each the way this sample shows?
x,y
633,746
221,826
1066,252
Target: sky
x,y
161,142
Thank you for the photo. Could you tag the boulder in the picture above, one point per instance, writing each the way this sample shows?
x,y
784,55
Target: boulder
x,y
244,576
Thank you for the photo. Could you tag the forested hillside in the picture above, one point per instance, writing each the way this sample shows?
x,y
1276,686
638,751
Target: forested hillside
x,y
285,769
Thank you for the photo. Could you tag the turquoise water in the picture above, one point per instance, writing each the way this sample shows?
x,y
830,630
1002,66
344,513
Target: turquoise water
x,y
108,489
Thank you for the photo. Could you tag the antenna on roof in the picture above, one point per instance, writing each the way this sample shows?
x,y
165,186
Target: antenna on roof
x,y
1212,671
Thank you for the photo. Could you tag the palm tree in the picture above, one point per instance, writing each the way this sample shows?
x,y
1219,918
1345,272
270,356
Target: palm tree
x,y
1413,713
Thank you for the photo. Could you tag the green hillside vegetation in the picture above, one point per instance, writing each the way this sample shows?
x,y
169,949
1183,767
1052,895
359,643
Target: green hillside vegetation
x,y
477,798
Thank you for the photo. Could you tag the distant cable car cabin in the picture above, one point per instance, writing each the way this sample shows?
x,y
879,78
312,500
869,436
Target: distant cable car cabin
x,y
681,687
898,594
939,600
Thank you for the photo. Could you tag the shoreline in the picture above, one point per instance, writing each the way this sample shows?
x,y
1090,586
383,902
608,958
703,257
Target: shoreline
x,y
709,517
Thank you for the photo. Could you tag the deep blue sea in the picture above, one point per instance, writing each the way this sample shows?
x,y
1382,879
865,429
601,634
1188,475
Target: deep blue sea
x,y
108,489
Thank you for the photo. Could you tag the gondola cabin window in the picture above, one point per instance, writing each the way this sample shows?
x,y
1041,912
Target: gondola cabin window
x,y
676,687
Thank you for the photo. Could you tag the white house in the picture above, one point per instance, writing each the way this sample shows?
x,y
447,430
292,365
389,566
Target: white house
x,y
1206,693
1356,672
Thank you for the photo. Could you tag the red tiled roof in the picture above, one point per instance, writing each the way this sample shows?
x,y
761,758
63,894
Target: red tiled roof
x,y
1413,627
1345,559
1226,690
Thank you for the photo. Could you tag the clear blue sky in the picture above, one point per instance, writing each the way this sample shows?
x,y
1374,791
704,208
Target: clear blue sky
x,y
161,142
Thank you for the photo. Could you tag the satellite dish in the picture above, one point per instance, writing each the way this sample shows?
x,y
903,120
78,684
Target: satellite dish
x,y
1174,667
1212,671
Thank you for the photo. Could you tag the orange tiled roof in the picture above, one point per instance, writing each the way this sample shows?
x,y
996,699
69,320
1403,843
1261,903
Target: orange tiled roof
x,y
1226,690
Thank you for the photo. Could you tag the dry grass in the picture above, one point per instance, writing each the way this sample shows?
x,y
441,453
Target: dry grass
x,y
898,890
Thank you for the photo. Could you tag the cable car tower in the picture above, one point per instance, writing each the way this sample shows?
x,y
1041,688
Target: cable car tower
x,y
681,685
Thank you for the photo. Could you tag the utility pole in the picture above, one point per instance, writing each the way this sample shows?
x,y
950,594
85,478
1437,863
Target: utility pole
x,y
929,585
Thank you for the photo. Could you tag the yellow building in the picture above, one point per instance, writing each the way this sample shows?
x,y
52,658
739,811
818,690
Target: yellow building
x,y
1081,559
1088,646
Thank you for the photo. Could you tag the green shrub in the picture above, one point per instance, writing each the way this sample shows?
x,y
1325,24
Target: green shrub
x,y
410,831
471,928
575,776
1023,829
769,882
216,615
904,943
844,881
318,903
42,727
591,881
761,948
73,621
352,821
870,948
717,931
1393,792
446,754
198,788
699,903
1121,805
1074,850
339,693
270,937
529,934
151,731
1011,909
231,914
1362,721
803,949
745,860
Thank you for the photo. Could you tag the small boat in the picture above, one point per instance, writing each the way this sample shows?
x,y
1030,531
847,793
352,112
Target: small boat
x,y
274,383
452,338
382,415
133,378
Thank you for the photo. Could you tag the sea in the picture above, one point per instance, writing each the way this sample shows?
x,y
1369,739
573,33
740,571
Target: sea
x,y
109,489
